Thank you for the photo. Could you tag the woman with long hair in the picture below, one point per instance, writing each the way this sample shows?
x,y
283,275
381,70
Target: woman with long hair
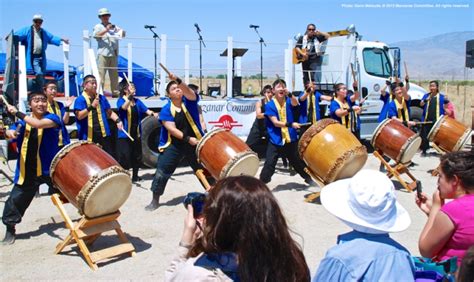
x,y
243,236
449,230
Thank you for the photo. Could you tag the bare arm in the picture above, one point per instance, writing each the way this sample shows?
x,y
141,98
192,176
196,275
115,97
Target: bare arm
x,y
258,110
176,133
437,231
34,122
281,124
326,98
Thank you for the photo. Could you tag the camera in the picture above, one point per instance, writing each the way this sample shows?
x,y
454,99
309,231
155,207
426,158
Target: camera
x,y
197,200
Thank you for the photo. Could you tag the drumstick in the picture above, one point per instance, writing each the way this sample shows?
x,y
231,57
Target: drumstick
x,y
406,69
423,122
126,78
5,100
165,69
353,73
128,135
306,124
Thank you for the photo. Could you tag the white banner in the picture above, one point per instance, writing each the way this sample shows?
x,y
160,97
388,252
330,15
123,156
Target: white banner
x,y
235,114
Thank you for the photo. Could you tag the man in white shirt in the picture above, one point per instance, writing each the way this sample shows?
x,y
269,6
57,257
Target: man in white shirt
x,y
107,36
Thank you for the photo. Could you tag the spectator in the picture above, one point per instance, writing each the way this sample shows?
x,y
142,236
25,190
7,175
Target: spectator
x,y
244,237
36,40
449,108
449,230
366,203
107,36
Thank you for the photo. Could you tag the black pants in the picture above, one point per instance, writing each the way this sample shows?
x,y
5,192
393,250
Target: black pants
x,y
129,154
20,199
425,130
105,143
167,163
312,67
289,151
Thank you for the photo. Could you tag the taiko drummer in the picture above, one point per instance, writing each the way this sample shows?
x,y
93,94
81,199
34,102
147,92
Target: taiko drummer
x,y
180,133
37,139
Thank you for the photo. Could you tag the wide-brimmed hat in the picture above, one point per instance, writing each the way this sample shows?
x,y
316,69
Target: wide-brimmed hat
x,y
37,17
366,202
104,11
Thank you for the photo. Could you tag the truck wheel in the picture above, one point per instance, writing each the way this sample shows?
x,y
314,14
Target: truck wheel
x,y
150,137
415,115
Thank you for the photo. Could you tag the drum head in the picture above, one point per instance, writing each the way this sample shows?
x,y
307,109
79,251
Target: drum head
x,y
348,164
106,194
435,128
463,140
377,131
411,148
246,163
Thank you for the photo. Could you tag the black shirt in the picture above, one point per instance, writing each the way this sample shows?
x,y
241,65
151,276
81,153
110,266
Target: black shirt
x,y
182,124
31,156
432,108
134,121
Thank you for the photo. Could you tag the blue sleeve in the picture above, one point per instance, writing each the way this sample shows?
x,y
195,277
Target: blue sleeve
x,y
332,270
62,110
270,109
120,102
392,110
318,96
22,34
104,102
80,104
385,97
334,107
141,106
165,114
54,118
52,39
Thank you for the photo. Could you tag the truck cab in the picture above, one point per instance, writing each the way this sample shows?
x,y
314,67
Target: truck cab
x,y
371,63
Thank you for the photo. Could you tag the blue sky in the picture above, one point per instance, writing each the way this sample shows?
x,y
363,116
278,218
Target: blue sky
x,y
279,20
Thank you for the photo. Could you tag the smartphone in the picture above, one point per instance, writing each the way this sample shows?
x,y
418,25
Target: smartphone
x,y
197,200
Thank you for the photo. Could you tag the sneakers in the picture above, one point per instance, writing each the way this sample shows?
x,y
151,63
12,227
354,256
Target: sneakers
x,y
154,204
9,237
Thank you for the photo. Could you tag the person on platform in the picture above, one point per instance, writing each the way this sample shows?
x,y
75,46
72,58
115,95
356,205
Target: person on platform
x,y
37,140
241,235
433,108
92,111
36,39
309,49
367,204
281,127
449,230
59,109
131,111
344,109
180,133
108,36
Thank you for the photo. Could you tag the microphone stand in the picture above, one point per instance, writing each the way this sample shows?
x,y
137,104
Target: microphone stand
x,y
201,43
155,77
262,42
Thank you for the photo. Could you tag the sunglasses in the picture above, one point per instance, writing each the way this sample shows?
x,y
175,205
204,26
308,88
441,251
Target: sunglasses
x,y
311,29
38,21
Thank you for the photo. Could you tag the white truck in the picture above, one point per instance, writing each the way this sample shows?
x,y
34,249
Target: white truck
x,y
373,63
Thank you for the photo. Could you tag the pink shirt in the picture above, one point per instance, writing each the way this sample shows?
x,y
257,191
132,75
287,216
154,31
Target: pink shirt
x,y
450,107
461,213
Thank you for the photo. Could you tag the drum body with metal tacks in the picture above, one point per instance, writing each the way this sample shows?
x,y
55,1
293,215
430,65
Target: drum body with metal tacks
x,y
449,134
90,179
396,141
223,154
331,151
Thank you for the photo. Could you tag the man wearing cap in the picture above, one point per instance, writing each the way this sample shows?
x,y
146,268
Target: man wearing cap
x,y
107,36
367,204
36,40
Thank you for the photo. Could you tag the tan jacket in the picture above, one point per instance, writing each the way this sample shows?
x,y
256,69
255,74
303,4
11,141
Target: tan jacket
x,y
183,269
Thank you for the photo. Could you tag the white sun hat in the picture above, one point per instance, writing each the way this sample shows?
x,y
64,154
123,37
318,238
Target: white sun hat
x,y
104,11
366,202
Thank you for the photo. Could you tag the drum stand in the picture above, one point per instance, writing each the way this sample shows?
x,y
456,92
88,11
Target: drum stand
x,y
397,171
312,197
87,230
202,178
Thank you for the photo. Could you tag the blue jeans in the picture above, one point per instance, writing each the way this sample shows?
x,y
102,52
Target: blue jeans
x,y
167,163
38,70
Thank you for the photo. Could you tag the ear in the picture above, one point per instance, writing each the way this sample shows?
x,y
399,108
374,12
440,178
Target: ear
x,y
455,181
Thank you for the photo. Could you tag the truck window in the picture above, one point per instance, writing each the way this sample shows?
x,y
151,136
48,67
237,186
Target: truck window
x,y
376,62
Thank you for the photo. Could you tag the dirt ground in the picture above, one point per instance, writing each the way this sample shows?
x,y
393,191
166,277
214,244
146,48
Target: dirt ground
x,y
155,235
